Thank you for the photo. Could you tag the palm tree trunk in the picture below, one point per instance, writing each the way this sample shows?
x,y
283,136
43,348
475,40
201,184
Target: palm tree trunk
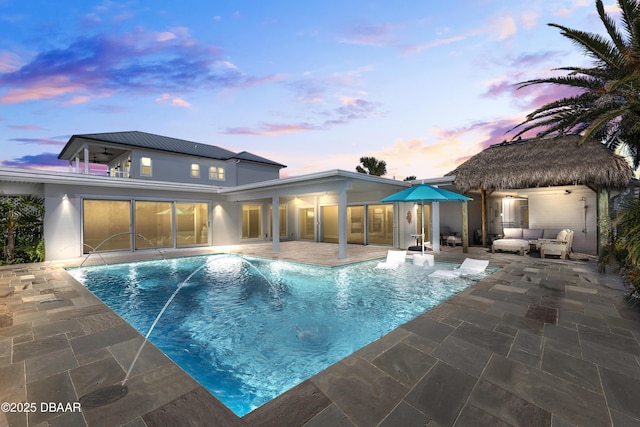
x,y
9,248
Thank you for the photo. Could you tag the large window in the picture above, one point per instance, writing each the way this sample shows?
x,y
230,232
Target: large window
x,y
330,224
154,224
380,224
282,217
307,222
106,225
355,224
251,220
192,221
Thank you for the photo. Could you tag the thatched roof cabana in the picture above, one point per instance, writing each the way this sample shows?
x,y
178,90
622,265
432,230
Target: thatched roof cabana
x,y
540,163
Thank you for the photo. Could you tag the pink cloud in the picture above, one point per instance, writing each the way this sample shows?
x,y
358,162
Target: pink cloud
x,y
441,151
534,97
417,48
137,61
25,127
56,142
8,62
351,109
173,100
270,129
77,100
45,88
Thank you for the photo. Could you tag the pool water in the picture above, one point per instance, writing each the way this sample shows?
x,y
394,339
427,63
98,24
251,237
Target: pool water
x,y
250,329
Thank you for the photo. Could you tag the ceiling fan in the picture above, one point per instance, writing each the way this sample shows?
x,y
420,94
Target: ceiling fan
x,y
106,153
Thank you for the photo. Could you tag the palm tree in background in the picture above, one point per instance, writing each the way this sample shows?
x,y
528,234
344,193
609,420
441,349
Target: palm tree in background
x,y
372,166
607,106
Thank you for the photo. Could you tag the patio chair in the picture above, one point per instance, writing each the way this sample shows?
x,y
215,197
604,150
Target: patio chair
x,y
445,232
560,246
468,267
394,260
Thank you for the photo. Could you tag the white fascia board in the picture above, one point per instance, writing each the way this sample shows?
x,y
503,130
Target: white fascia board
x,y
62,178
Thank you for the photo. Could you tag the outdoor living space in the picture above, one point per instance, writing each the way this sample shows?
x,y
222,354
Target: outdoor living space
x,y
539,342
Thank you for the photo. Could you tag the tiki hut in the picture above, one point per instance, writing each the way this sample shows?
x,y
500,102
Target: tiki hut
x,y
548,162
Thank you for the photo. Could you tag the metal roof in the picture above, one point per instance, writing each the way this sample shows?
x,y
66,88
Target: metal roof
x,y
162,143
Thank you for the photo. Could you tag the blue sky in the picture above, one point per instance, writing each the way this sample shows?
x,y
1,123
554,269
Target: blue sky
x,y
313,85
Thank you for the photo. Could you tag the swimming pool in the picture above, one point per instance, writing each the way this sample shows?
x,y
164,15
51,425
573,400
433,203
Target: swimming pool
x,y
250,329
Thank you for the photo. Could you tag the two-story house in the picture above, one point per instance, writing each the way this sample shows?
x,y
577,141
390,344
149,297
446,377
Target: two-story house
x,y
129,191
146,156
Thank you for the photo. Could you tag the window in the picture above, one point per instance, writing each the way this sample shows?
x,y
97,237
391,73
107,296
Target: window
x,y
195,170
106,225
191,224
306,223
251,219
380,224
145,166
216,173
355,224
329,224
427,217
154,224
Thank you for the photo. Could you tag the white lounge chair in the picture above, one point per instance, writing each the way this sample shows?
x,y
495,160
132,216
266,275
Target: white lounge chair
x,y
394,259
468,267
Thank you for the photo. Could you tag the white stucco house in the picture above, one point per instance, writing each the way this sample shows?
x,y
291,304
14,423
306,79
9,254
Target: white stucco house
x,y
130,191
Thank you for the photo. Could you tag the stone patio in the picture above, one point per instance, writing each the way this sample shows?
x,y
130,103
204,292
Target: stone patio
x,y
539,342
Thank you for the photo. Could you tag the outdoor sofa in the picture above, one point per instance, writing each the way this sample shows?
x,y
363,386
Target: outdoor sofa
x,y
521,239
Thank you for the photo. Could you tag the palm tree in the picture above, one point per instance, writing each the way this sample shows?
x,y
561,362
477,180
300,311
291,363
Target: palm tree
x,y
625,247
372,166
607,105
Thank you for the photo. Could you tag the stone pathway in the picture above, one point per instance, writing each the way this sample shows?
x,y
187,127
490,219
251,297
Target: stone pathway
x,y
540,342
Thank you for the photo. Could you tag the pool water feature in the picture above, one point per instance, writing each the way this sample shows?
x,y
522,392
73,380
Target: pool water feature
x,y
249,329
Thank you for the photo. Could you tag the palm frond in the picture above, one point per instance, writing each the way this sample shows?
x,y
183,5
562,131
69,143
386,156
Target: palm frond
x,y
630,14
611,27
593,45
574,81
607,106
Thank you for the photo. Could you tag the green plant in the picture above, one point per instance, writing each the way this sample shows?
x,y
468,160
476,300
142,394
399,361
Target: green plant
x,y
21,219
624,250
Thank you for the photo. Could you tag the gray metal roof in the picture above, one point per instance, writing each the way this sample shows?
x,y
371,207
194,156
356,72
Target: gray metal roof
x,y
245,155
162,143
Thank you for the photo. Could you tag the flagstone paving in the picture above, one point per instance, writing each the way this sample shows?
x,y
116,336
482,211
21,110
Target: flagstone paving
x,y
539,342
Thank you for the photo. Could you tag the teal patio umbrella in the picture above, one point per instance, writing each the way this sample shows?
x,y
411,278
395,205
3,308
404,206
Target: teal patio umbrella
x,y
425,193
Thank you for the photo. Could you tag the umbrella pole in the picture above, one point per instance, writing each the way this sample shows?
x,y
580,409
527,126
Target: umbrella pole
x,y
422,223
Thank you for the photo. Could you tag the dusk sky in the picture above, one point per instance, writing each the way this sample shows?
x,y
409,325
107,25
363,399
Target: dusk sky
x,y
422,85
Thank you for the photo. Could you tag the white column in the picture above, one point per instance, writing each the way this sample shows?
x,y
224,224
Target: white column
x,y
275,226
342,223
435,225
86,159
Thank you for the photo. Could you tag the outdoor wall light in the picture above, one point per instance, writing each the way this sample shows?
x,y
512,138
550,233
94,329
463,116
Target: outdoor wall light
x,y
65,198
